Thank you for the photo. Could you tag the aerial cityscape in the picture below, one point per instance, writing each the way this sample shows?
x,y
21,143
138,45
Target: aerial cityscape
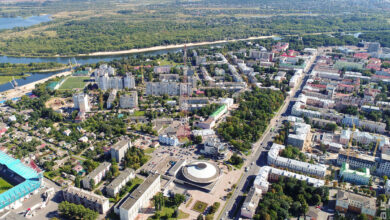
x,y
201,110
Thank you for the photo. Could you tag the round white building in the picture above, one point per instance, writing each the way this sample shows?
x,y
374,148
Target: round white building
x,y
201,172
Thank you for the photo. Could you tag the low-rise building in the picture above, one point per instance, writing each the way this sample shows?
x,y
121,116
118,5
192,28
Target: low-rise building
x,y
215,148
354,176
129,207
169,140
96,175
87,199
251,202
119,149
346,201
119,182
295,165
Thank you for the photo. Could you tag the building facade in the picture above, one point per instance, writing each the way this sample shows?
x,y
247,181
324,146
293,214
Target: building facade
x,y
119,182
87,199
130,206
96,175
129,100
119,149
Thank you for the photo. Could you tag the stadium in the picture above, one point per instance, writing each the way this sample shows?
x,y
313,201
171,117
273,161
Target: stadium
x,y
24,179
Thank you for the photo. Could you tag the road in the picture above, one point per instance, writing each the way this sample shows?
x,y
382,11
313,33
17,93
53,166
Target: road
x,y
232,208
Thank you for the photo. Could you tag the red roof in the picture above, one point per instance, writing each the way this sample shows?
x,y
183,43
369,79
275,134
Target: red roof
x,y
381,77
346,85
318,86
361,55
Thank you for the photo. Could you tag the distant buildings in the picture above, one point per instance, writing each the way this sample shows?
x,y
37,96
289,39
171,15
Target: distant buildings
x,y
106,79
346,201
119,182
129,207
295,165
129,100
81,102
96,175
261,55
87,199
111,98
356,161
169,88
119,149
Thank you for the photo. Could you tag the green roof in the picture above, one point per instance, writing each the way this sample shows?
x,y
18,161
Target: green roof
x,y
219,110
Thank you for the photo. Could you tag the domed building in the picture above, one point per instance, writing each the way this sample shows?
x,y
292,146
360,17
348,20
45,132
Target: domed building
x,y
201,172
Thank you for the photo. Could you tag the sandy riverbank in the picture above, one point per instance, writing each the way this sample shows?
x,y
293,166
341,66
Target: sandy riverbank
x,y
176,46
22,90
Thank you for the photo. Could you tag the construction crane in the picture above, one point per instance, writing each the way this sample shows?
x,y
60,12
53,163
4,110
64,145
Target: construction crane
x,y
350,141
376,146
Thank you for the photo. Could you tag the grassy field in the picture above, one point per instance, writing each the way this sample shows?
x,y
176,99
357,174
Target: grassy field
x,y
74,82
4,185
149,150
7,79
199,206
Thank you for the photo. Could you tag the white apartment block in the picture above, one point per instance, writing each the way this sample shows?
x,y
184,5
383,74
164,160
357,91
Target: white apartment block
x,y
387,187
119,149
251,202
130,206
97,175
384,165
111,98
169,140
81,102
129,100
267,174
87,199
119,182
106,82
298,138
295,165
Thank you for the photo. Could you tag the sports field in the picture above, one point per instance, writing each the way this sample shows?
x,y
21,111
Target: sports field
x,y
4,185
74,82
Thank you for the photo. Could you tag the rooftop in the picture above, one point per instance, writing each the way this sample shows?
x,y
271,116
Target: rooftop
x,y
131,199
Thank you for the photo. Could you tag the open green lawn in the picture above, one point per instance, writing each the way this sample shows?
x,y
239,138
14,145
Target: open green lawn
x,y
149,150
74,82
199,206
4,185
139,113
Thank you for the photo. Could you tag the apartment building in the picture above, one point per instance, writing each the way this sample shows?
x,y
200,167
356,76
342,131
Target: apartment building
x,y
96,175
295,165
269,174
357,161
251,202
354,176
87,199
81,102
346,201
129,100
298,138
119,182
384,165
119,149
111,98
128,208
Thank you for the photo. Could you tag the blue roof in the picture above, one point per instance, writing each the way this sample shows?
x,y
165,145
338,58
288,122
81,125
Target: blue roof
x,y
32,180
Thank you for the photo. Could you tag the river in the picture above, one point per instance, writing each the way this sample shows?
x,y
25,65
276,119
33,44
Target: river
x,y
9,23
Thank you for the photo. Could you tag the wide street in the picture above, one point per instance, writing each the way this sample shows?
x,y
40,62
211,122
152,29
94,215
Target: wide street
x,y
258,159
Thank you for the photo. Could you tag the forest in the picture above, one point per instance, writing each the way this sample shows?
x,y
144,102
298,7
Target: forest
x,y
290,198
250,120
81,29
